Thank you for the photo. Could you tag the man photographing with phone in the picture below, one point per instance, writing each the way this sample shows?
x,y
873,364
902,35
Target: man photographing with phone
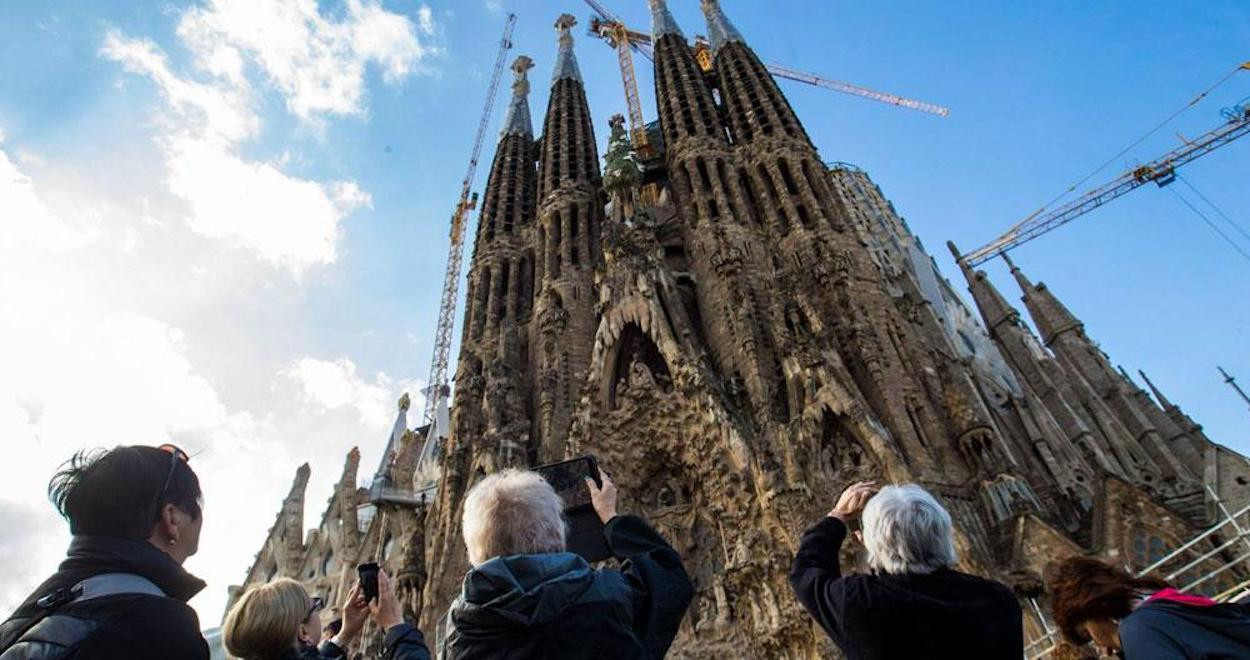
x,y
527,596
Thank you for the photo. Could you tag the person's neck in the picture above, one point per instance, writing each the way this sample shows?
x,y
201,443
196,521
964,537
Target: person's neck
x,y
171,550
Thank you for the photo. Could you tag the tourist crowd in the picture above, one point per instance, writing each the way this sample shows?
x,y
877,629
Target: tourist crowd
x,y
135,517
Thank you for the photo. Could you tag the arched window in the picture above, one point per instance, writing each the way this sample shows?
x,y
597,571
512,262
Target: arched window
x,y
330,564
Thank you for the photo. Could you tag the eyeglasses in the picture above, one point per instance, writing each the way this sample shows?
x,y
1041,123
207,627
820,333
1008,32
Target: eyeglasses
x,y
175,455
318,603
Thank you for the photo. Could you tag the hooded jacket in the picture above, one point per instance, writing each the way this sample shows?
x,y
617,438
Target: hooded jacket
x,y
1170,627
554,605
129,626
943,614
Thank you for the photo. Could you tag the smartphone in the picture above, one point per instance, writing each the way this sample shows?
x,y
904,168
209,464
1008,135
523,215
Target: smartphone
x,y
369,580
568,478
585,530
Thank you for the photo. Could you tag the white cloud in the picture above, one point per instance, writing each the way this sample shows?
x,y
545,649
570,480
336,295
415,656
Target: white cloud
x,y
86,364
291,222
210,111
29,225
425,18
335,384
131,316
318,62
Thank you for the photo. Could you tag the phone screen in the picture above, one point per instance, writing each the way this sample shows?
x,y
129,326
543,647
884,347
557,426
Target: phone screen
x,y
568,478
369,580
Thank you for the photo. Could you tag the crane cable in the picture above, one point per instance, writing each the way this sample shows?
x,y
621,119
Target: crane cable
x,y
1197,99
1232,223
1212,225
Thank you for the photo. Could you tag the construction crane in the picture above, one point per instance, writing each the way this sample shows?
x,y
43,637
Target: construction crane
x,y
611,29
1160,171
438,386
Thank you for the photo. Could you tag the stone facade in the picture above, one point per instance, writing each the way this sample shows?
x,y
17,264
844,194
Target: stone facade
x,y
760,332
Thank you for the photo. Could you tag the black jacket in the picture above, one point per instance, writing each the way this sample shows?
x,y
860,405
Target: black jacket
x,y
402,642
1162,630
945,614
133,626
556,606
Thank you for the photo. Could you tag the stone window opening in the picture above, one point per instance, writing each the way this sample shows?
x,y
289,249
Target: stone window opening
x,y
753,207
501,297
804,218
525,288
479,315
770,187
704,179
913,415
786,177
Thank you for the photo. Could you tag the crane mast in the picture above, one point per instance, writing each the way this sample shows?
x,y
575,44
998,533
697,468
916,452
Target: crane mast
x,y
438,386
1160,171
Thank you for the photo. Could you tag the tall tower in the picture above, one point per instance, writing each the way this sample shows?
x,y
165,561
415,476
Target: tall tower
x,y
1085,362
570,217
723,232
815,252
491,410
491,423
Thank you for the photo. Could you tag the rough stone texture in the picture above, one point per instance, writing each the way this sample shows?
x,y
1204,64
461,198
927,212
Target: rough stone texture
x,y
760,332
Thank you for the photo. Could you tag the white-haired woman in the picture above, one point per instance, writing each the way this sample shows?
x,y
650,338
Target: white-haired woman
x,y
913,604
525,597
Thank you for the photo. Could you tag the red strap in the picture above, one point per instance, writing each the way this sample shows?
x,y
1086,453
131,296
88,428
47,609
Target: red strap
x,y
1174,596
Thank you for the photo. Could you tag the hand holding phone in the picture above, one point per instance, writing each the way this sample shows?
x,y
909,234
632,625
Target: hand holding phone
x,y
369,580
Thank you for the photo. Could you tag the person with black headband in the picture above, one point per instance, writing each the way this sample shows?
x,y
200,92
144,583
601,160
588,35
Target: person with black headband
x,y
121,592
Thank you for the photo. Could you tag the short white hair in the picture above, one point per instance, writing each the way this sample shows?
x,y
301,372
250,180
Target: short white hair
x,y
907,531
512,512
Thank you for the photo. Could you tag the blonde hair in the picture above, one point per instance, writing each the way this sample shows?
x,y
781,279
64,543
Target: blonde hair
x,y
265,621
512,512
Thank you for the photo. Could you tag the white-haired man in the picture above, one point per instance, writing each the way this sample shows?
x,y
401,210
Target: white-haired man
x,y
914,604
525,597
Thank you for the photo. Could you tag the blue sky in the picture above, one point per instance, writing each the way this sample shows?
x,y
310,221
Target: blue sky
x,y
214,238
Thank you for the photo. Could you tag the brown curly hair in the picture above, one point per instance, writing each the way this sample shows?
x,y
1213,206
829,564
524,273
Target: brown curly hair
x,y
1083,589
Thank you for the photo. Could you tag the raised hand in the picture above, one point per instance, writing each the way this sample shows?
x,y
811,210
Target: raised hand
x,y
355,611
603,498
852,501
387,612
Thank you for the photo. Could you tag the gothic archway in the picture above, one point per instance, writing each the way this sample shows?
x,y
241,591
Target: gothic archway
x,y
636,363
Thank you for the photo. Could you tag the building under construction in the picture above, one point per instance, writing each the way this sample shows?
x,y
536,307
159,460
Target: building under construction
x,y
738,330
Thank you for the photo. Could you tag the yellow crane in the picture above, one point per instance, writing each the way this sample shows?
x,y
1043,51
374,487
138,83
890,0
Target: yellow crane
x,y
1160,171
611,29
438,386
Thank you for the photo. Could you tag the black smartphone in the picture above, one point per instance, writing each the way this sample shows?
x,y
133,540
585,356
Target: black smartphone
x,y
585,530
568,478
369,580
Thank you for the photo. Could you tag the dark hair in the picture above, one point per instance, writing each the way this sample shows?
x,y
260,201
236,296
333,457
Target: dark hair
x,y
1084,589
116,492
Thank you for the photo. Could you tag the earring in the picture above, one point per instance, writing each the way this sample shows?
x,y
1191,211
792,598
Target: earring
x,y
173,541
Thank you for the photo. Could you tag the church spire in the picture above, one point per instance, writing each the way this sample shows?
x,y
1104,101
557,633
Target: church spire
x,y
1163,400
566,60
720,31
662,21
994,307
1050,315
518,121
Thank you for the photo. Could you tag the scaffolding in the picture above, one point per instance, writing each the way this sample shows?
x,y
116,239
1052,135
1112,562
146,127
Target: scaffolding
x,y
1215,563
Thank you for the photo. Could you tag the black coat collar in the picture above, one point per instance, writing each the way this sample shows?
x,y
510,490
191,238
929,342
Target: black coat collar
x,y
108,554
